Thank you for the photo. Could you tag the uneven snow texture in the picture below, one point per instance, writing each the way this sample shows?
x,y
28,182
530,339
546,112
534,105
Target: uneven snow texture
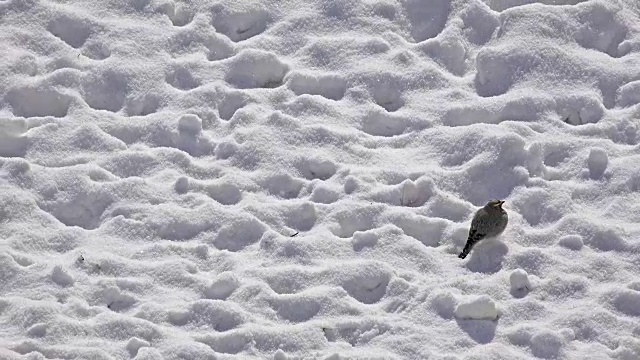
x,y
479,308
289,179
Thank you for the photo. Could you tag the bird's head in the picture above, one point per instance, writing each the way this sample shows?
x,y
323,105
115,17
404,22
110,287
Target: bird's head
x,y
495,204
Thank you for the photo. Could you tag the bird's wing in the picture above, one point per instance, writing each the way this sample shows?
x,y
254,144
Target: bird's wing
x,y
475,222
475,235
475,232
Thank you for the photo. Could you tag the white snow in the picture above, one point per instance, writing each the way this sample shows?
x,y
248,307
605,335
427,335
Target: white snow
x,y
597,162
289,179
482,307
519,280
573,242
61,276
280,355
190,124
222,286
546,344
134,345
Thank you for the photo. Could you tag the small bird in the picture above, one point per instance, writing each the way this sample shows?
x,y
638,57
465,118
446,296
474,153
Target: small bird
x,y
490,221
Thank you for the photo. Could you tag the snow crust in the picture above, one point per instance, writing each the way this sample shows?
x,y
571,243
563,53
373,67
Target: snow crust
x,y
289,179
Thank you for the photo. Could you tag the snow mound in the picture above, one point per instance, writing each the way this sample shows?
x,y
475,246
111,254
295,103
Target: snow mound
x,y
477,308
573,242
519,280
597,163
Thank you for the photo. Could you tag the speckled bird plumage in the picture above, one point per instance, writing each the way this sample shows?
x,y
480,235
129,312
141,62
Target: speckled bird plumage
x,y
489,221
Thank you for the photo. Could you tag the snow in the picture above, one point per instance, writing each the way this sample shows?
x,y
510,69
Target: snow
x,y
597,162
134,345
222,286
261,179
519,280
573,242
190,124
482,307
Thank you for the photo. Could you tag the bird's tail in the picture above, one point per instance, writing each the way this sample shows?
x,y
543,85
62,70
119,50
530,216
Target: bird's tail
x,y
471,241
465,251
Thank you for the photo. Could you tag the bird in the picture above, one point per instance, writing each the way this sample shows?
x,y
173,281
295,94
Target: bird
x,y
489,221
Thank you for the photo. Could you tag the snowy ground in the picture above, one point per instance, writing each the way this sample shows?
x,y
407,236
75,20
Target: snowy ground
x,y
289,179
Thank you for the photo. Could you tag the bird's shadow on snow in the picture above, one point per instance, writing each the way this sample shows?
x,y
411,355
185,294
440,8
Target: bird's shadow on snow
x,y
481,331
488,257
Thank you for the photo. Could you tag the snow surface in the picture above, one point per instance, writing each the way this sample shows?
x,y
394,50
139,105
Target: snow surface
x,y
478,308
289,179
520,283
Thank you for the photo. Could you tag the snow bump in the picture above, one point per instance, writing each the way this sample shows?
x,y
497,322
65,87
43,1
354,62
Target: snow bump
x,y
481,307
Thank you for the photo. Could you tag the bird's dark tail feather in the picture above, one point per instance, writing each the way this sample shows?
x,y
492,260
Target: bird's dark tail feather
x,y
467,247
